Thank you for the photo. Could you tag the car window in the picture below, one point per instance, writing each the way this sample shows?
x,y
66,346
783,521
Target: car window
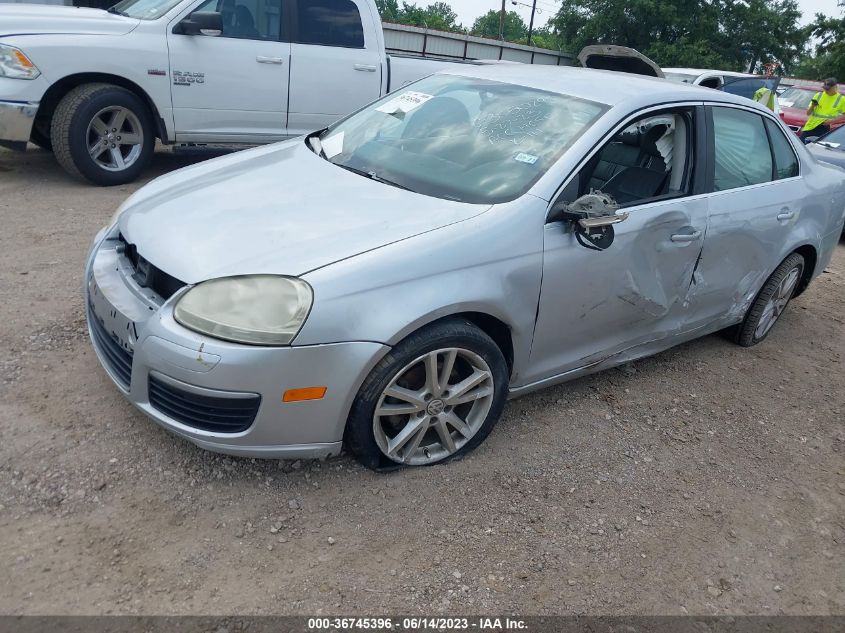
x,y
461,138
748,86
742,152
786,163
796,98
329,23
649,159
248,19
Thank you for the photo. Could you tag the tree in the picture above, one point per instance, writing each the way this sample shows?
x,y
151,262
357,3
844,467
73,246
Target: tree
x,y
725,34
488,26
388,10
829,58
439,16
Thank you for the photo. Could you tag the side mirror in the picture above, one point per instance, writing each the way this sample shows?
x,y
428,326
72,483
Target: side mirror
x,y
592,217
208,23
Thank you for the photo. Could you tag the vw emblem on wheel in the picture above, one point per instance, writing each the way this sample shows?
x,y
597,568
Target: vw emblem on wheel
x,y
435,407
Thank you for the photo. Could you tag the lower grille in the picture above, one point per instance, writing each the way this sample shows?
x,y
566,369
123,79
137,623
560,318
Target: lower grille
x,y
207,413
118,359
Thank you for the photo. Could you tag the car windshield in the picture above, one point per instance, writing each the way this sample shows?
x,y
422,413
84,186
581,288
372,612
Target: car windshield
x,y
835,139
796,98
685,78
144,9
460,138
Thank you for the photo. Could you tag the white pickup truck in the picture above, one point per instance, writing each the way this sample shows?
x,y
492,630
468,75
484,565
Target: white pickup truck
x,y
99,87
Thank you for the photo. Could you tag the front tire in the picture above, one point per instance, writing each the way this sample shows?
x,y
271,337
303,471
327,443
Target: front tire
x,y
435,396
102,133
770,302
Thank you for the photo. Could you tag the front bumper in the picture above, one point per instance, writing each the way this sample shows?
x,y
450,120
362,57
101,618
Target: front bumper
x,y
143,336
16,120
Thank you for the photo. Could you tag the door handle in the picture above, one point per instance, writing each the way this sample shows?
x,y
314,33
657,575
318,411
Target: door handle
x,y
684,238
785,214
261,59
365,68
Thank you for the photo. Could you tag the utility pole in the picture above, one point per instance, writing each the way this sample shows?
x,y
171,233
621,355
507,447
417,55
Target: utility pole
x,y
531,23
502,22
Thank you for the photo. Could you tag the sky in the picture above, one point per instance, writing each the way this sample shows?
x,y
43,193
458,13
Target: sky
x,y
468,10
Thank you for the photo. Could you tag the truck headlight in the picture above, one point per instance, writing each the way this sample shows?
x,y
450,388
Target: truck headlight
x,y
254,309
14,64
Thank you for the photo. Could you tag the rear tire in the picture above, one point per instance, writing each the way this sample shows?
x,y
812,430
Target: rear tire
x,y
770,303
102,133
408,414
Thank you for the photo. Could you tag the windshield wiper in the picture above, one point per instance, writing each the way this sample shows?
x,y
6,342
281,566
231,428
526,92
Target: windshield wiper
x,y
116,11
372,176
829,144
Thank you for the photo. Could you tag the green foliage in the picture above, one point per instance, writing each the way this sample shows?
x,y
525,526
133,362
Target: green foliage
x,y
438,15
726,34
488,26
829,60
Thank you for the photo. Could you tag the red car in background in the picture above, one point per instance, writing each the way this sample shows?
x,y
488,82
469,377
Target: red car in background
x,y
794,102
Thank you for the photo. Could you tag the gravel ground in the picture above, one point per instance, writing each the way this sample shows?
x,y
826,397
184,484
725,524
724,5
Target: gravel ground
x,y
709,479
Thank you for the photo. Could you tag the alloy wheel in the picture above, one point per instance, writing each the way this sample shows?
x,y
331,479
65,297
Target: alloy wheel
x,y
777,302
433,406
114,138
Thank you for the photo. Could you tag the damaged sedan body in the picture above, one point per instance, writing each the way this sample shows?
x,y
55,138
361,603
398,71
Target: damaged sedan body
x,y
390,281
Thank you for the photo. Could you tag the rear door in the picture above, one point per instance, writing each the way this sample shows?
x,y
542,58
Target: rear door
x,y
757,198
233,87
336,63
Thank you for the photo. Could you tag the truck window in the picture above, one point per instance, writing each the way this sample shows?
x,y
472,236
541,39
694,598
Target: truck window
x,y
329,23
248,19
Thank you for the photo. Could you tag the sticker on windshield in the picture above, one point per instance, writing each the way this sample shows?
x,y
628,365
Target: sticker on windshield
x,y
333,145
528,159
404,103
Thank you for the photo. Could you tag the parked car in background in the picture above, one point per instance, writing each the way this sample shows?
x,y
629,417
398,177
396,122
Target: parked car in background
x,y
393,279
99,87
830,148
740,84
794,103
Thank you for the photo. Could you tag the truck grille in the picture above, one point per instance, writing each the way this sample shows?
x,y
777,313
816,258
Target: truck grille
x,y
118,359
207,413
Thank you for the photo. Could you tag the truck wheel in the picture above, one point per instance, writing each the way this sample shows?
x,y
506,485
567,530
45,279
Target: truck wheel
x,y
102,133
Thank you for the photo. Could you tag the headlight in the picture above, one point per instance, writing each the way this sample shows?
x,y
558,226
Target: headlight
x,y
14,64
256,309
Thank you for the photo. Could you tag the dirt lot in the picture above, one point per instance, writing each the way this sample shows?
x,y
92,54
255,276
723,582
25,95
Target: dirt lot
x,y
709,479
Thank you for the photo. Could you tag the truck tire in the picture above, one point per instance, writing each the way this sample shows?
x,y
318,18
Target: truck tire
x,y
102,133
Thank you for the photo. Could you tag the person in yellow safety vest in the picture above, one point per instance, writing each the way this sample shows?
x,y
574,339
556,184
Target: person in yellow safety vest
x,y
765,96
825,106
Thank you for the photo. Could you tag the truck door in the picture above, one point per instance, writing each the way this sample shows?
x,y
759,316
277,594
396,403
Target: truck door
x,y
336,63
232,87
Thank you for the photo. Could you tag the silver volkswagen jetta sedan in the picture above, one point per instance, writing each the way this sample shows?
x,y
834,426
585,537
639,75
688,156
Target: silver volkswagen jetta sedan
x,y
390,281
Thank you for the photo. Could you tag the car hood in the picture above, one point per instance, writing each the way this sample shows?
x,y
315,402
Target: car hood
x,y
793,115
278,209
33,19
827,154
618,58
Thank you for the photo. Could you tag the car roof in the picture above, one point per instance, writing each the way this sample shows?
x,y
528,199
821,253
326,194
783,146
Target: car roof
x,y
708,71
603,86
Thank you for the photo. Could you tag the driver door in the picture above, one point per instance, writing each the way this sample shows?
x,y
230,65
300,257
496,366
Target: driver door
x,y
232,88
597,304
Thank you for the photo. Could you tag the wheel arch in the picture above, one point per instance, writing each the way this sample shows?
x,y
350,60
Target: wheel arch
x,y
811,257
56,92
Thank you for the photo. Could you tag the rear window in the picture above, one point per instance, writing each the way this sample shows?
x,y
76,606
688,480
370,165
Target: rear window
x,y
329,23
796,98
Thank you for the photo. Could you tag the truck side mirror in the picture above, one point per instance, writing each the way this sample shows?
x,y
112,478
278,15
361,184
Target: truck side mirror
x,y
208,23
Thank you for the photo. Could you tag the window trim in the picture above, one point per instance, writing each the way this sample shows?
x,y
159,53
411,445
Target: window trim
x,y
697,173
294,27
768,124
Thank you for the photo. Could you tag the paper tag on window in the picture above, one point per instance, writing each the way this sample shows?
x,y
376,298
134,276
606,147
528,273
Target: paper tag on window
x,y
405,102
529,159
333,145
